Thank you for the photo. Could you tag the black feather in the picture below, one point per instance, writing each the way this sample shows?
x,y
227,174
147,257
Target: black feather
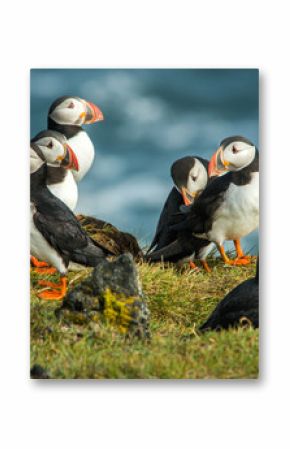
x,y
165,234
241,302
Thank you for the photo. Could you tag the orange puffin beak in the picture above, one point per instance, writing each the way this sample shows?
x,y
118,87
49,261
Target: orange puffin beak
x,y
217,164
70,160
92,114
187,196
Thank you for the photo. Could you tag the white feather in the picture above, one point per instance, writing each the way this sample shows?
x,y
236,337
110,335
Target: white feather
x,y
85,152
41,249
66,191
238,214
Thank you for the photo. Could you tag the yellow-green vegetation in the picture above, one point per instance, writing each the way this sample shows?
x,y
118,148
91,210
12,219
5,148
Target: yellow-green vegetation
x,y
179,302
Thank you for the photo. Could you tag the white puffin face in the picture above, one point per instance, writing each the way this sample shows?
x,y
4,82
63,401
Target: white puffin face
x,y
197,178
71,111
52,149
190,178
35,161
237,155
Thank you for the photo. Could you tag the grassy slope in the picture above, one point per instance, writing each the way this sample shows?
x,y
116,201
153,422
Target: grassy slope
x,y
179,303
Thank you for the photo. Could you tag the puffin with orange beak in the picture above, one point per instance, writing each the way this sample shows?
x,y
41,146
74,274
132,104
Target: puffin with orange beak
x,y
67,115
60,180
228,208
189,175
56,236
52,148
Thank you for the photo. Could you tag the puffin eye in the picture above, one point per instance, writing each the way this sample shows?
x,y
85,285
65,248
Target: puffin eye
x,y
194,178
71,105
50,144
234,150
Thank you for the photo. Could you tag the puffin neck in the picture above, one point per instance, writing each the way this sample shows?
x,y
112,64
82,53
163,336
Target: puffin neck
x,y
38,180
68,131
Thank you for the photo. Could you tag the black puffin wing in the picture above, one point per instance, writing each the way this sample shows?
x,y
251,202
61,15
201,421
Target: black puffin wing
x,y
199,218
163,234
62,227
63,232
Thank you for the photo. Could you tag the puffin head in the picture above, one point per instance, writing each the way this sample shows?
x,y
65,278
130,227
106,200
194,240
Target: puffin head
x,y
189,175
233,154
53,148
74,111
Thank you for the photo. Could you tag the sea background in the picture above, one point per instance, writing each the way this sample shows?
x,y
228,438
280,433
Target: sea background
x,y
152,117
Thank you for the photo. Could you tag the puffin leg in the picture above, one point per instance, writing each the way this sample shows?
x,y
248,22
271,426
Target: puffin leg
x,y
45,283
37,263
239,250
193,266
223,254
57,292
205,266
229,261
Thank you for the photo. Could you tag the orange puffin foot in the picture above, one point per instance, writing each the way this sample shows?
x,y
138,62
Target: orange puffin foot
x,y
37,263
242,261
205,266
57,291
193,266
49,270
238,261
51,295
239,250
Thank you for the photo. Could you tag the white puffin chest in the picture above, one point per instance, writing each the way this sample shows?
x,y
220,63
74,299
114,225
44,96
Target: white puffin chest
x,y
238,215
40,248
66,190
85,152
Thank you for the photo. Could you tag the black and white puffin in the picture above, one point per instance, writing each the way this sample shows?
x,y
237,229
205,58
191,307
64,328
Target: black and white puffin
x,y
60,179
67,115
241,304
228,208
190,177
56,236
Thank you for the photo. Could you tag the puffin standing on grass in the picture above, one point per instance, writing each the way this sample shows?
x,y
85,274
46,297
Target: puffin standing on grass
x,y
67,115
228,209
55,234
190,177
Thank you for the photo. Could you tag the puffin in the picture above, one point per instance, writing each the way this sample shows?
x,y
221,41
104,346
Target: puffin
x,y
190,177
228,208
66,115
56,236
60,180
241,304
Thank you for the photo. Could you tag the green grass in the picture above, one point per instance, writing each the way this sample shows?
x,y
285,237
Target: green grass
x,y
179,302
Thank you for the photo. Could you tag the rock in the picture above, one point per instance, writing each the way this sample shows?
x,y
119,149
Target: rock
x,y
109,237
38,372
112,293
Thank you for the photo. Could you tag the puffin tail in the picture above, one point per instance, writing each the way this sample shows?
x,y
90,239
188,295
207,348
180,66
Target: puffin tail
x,y
166,253
90,256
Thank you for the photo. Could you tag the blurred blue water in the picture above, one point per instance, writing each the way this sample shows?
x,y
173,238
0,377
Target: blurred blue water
x,y
152,117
